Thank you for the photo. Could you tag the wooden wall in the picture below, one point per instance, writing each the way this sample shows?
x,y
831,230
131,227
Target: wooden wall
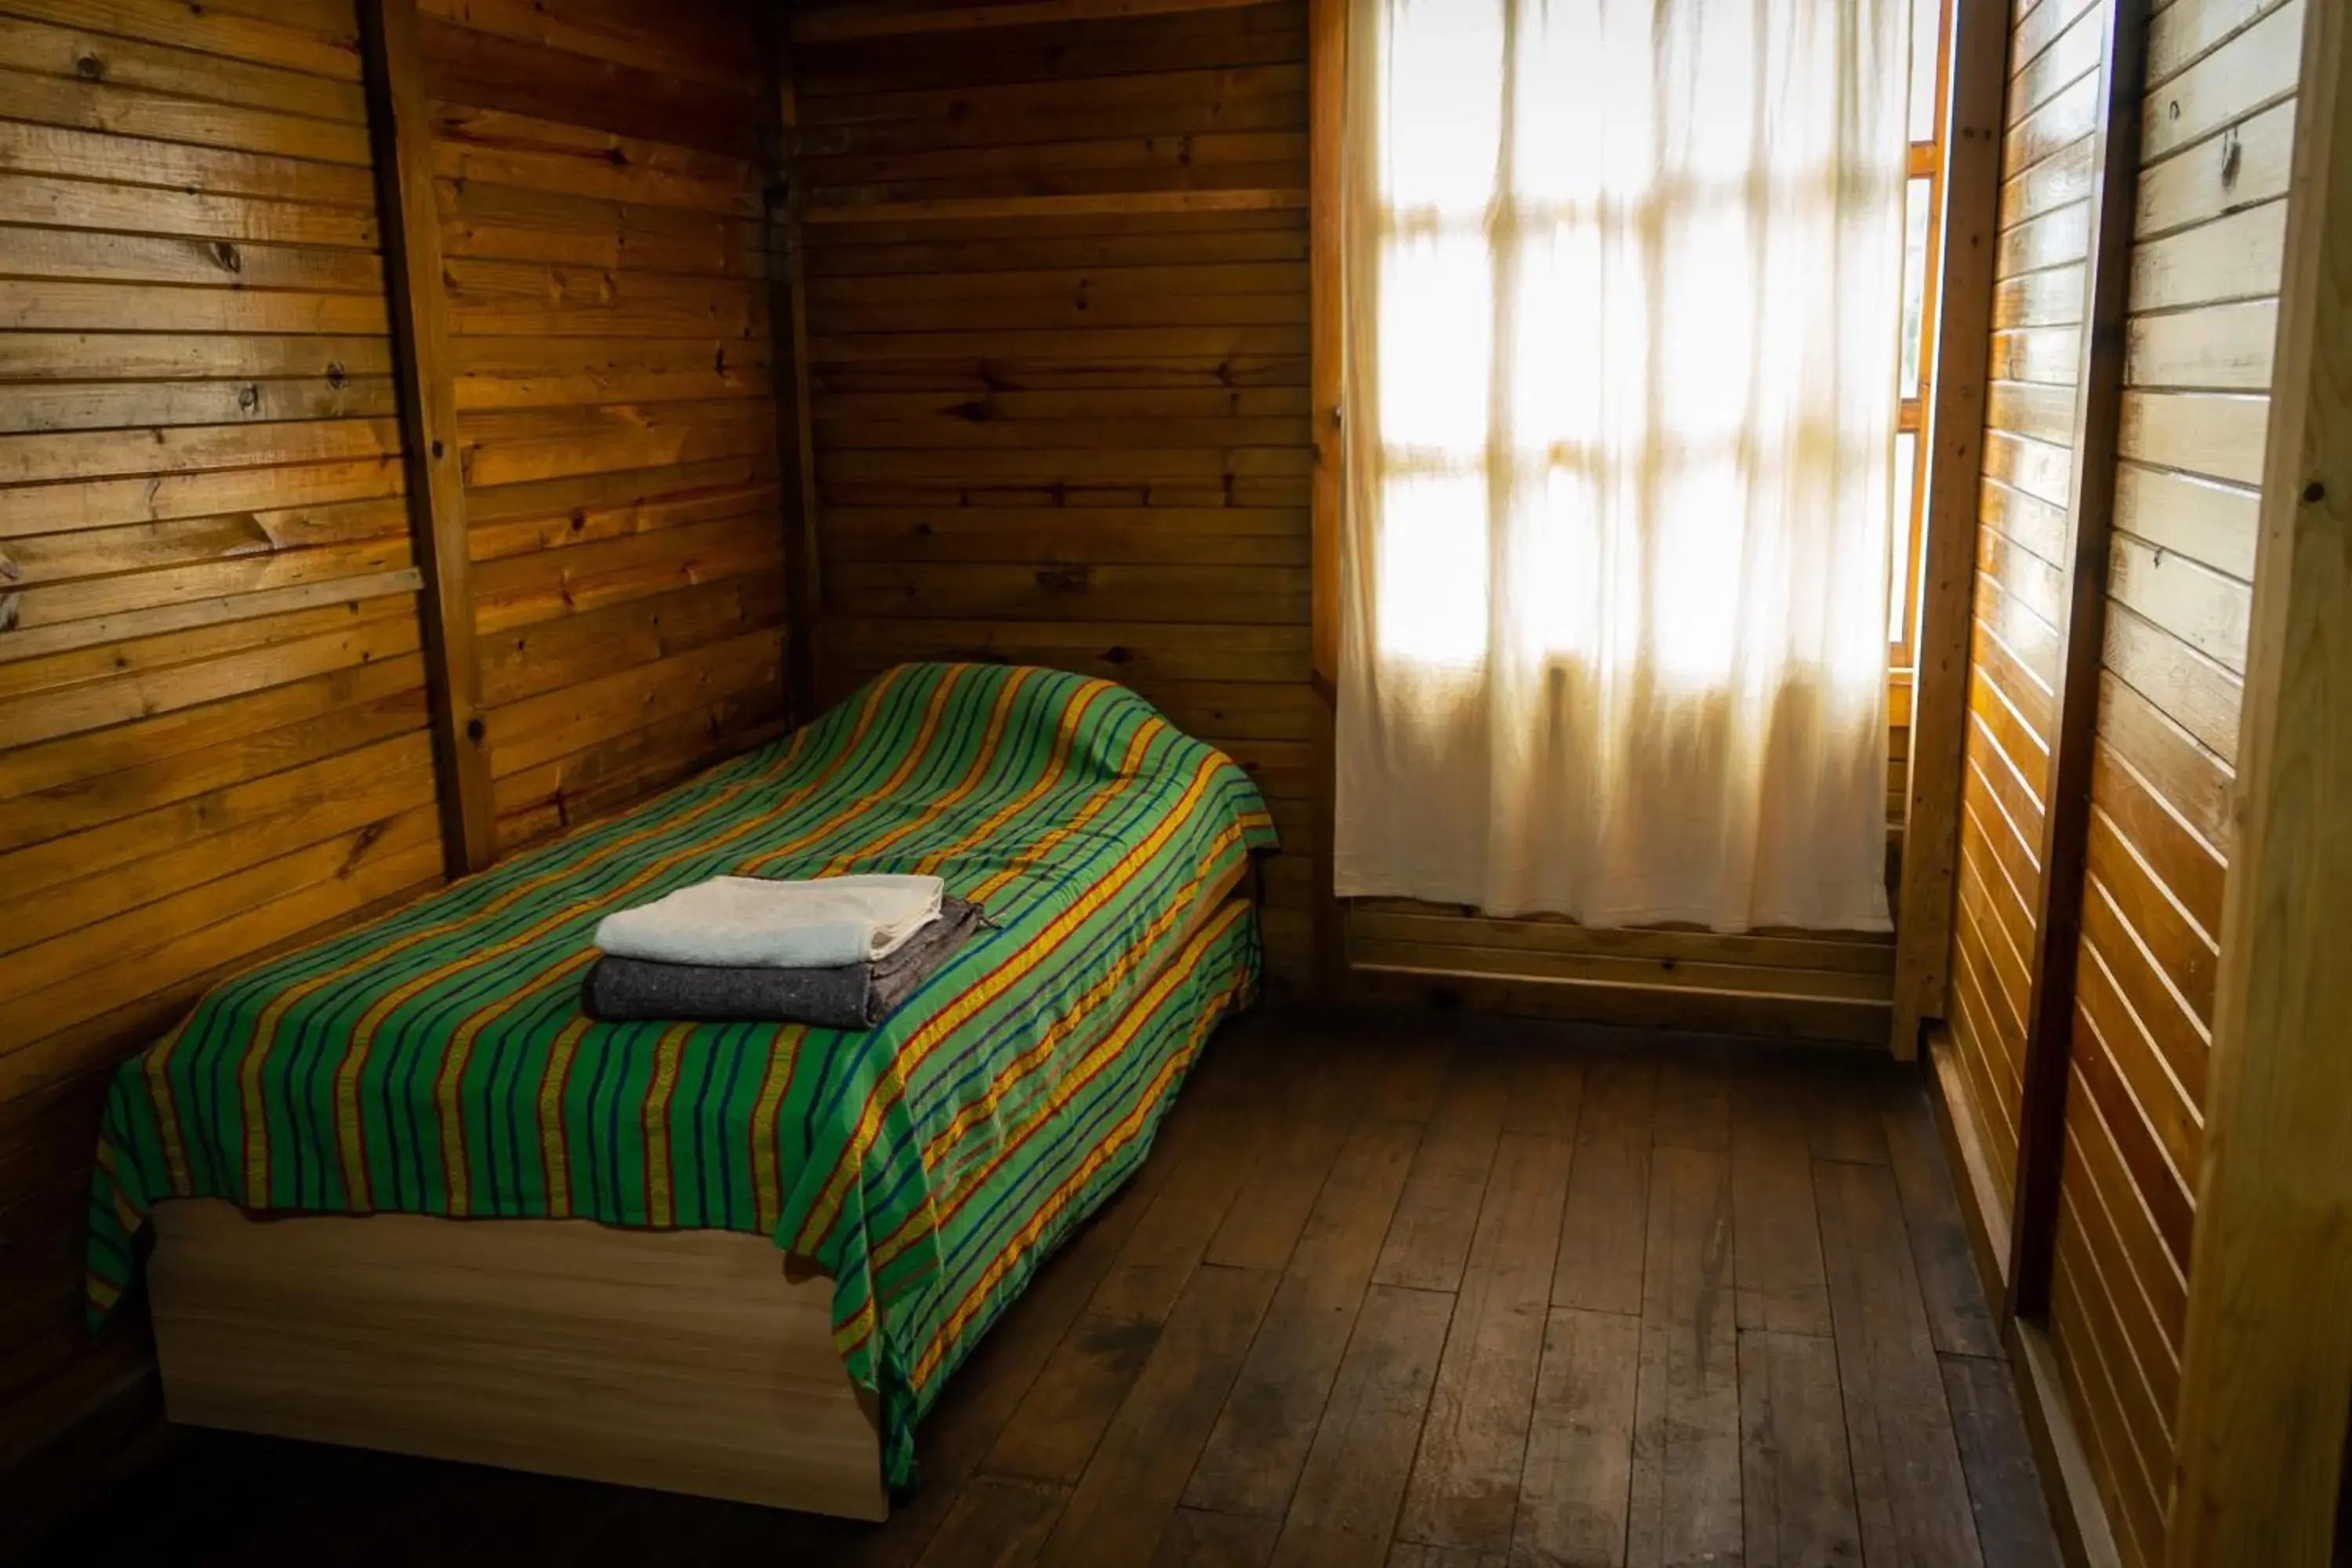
x,y
2053,97
598,169
214,701
2100,1260
211,700
2211,215
1056,314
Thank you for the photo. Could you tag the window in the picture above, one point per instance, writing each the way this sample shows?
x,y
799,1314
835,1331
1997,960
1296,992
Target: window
x,y
1601,291
1624,284
1931,40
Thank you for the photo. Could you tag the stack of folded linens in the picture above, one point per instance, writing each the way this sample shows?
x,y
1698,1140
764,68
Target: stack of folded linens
x,y
836,952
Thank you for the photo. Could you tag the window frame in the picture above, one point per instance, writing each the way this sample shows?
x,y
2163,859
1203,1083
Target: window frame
x,y
1926,162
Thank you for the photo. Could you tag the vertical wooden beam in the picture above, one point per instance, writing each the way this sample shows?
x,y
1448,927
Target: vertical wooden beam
x,y
2090,506
1327,128
788,329
401,133
2266,1362
1939,684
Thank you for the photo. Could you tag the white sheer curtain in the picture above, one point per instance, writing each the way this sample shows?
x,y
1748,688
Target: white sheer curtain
x,y
1622,283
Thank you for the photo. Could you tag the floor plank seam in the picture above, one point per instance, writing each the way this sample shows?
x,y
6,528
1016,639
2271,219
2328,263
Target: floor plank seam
x,y
1421,1435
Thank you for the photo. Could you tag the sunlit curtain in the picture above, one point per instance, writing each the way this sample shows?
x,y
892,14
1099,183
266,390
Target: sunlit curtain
x,y
1622,285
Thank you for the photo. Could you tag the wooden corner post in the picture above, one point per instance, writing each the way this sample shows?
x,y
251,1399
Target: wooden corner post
x,y
2266,1361
2082,635
788,329
1963,346
1327,123
401,132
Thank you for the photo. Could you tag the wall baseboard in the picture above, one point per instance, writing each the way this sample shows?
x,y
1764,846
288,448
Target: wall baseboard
x,y
2083,1530
2081,1521
1987,1221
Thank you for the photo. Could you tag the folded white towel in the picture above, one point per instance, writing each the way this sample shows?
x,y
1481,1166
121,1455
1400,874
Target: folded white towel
x,y
822,923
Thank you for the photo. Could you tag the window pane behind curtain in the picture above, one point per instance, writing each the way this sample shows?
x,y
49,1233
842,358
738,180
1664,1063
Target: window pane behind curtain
x,y
1917,197
1906,458
1641,292
1444,62
1927,21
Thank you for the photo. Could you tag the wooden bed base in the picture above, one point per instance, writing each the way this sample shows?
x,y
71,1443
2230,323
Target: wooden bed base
x,y
689,1361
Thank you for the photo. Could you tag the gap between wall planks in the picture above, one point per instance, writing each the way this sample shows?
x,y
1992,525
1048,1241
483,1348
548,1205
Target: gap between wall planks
x,y
2266,1365
1939,713
400,127
2065,827
837,24
947,209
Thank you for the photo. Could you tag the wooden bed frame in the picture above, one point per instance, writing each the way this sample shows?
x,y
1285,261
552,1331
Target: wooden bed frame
x,y
689,1361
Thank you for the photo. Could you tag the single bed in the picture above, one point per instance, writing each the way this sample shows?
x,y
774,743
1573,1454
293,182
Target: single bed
x,y
736,1259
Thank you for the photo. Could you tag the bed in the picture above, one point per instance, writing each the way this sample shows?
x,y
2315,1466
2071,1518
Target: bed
x,y
405,1194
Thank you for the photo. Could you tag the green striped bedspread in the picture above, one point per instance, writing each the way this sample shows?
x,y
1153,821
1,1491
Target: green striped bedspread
x,y
438,1061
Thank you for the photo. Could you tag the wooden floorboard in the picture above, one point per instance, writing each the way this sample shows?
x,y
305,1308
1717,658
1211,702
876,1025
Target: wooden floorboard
x,y
1464,1490
1420,1291
1909,1488
1795,1476
1344,1508
1263,1435
1686,1491
1574,1488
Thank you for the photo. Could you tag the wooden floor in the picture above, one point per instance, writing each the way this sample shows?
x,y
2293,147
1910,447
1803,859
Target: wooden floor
x,y
1408,1292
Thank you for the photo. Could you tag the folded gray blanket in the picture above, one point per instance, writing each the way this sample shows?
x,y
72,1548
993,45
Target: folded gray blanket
x,y
853,997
